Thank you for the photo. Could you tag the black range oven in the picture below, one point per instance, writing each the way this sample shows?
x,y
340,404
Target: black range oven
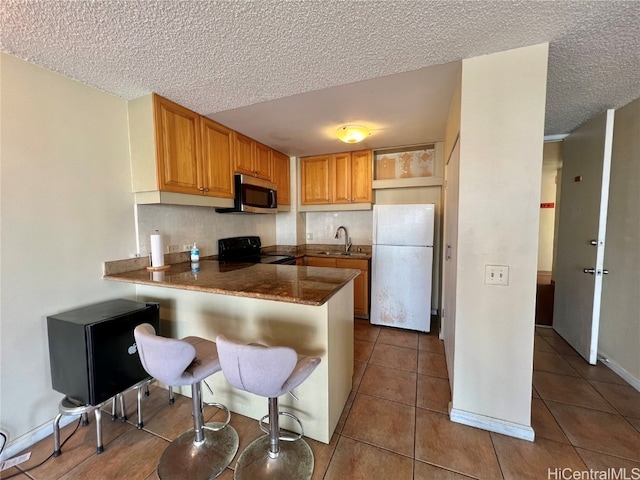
x,y
247,250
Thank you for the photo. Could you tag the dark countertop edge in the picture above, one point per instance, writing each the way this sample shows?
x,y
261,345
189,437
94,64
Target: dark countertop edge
x,y
235,293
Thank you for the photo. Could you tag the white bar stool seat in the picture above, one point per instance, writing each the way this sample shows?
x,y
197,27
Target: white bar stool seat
x,y
269,372
203,452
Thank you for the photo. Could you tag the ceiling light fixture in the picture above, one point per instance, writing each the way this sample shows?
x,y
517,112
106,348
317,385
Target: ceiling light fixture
x,y
352,133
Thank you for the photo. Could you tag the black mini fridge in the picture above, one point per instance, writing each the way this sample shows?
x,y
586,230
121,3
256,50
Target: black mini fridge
x,y
93,352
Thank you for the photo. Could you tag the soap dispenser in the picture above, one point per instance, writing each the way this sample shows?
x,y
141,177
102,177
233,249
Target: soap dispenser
x,y
195,253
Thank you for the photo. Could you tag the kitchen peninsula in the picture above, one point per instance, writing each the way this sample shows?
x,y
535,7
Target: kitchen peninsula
x,y
309,309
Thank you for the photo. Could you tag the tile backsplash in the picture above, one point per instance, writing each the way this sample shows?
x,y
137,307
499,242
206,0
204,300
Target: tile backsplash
x,y
182,225
323,226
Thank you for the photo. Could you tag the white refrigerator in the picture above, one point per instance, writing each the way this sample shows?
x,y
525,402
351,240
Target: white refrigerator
x,y
401,267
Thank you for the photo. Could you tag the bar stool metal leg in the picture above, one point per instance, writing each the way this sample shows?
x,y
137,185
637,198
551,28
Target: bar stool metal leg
x,y
268,458
201,453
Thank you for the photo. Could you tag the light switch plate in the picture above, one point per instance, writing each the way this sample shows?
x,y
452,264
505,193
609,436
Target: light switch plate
x,y
309,236
496,275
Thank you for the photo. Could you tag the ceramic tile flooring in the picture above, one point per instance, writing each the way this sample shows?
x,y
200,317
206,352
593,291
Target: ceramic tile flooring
x,y
395,425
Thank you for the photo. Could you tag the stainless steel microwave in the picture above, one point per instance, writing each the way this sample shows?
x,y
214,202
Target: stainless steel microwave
x,y
253,195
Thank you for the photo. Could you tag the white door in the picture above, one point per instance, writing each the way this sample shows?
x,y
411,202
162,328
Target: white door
x,y
581,234
450,257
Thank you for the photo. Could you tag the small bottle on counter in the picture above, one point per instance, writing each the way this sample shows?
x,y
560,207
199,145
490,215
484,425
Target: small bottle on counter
x,y
195,253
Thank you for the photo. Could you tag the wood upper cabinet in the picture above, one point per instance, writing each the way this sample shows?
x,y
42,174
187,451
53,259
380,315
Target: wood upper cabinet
x,y
252,158
361,176
281,177
263,162
340,178
175,150
217,152
316,180
243,162
177,131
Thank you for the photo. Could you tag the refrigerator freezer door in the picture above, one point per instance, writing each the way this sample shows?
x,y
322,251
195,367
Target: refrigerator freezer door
x,y
401,287
403,224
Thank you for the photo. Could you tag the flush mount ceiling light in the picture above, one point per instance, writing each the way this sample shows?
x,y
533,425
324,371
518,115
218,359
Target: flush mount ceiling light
x,y
352,133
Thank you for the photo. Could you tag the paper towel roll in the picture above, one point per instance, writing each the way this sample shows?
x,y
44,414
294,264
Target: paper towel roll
x,y
157,250
157,276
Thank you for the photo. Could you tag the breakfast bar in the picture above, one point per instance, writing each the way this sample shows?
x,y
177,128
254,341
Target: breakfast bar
x,y
309,309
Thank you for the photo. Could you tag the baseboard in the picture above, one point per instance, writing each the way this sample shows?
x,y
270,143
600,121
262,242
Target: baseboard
x,y
491,424
25,441
633,381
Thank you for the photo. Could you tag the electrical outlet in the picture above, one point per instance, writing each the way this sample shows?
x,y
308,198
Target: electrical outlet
x,y
309,236
186,248
174,248
496,275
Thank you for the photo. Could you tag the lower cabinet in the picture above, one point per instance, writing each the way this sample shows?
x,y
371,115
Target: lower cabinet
x,y
360,283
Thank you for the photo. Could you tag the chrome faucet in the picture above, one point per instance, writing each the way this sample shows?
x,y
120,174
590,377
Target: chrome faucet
x,y
347,240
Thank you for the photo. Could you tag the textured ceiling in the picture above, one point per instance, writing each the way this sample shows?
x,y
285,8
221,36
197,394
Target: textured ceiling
x,y
219,56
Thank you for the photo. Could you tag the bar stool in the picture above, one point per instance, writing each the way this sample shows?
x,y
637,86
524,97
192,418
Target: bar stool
x,y
269,372
204,451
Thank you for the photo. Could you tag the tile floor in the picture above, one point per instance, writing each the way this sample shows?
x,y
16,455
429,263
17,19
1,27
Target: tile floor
x,y
395,425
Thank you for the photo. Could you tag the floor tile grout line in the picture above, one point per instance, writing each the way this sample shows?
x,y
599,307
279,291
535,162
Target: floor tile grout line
x,y
412,457
495,452
566,434
595,390
545,400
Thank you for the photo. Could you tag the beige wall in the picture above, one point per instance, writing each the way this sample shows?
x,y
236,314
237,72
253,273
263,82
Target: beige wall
x,y
66,207
501,141
620,312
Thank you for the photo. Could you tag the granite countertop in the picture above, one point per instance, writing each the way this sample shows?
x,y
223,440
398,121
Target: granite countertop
x,y
281,283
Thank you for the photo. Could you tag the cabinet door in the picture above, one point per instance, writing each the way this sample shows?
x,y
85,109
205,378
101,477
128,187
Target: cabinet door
x,y
244,153
281,177
315,180
361,294
263,162
177,146
360,284
341,177
217,160
321,262
361,176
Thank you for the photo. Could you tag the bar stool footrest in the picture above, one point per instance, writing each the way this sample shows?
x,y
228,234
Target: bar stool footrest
x,y
286,437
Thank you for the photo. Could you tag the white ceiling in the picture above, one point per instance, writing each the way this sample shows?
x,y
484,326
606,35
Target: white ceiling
x,y
288,73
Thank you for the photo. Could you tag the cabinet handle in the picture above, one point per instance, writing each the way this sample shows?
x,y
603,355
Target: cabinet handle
x,y
206,189
201,189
